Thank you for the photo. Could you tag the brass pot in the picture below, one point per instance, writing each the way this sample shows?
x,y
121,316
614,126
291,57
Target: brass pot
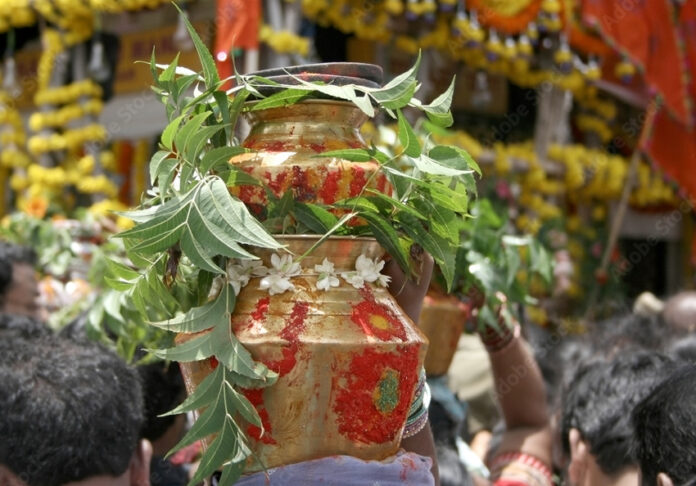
x,y
442,320
348,361
286,143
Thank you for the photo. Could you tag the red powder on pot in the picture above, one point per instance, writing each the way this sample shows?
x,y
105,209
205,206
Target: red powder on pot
x,y
375,319
255,397
329,189
373,395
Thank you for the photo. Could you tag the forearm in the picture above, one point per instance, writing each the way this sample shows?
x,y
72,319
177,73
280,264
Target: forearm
x,y
519,385
422,443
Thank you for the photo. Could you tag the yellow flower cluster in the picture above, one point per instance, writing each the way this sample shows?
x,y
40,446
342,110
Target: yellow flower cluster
x,y
77,173
461,36
15,14
66,114
97,185
651,189
68,94
70,140
590,174
108,207
422,7
595,124
284,41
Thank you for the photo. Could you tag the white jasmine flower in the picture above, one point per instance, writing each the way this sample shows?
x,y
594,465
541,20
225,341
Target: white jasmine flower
x,y
366,270
277,280
383,280
254,267
369,269
216,287
276,283
237,276
354,279
327,276
285,265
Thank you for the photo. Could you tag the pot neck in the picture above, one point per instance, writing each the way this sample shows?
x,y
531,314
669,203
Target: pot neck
x,y
313,126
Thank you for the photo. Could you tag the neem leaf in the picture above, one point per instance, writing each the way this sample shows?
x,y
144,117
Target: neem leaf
x,y
314,217
426,164
439,110
398,92
169,132
452,157
354,154
209,315
219,157
407,137
283,98
212,78
188,130
387,236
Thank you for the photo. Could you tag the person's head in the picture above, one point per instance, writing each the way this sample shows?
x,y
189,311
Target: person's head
x,y
617,335
164,390
71,415
665,425
18,285
597,433
679,312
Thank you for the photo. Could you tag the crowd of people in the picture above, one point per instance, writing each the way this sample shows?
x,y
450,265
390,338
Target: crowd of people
x,y
615,406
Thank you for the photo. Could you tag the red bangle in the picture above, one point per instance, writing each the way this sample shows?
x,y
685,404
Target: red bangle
x,y
497,339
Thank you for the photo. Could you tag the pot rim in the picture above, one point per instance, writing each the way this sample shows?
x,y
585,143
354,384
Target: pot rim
x,y
309,237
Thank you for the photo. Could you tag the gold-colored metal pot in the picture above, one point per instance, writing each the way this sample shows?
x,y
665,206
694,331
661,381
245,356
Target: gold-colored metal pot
x,y
442,320
348,360
286,143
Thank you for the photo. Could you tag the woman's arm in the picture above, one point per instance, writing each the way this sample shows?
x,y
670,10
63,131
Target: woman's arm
x,y
409,294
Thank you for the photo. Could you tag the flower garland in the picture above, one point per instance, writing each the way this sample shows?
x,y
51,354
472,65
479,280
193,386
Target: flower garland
x,y
284,41
277,278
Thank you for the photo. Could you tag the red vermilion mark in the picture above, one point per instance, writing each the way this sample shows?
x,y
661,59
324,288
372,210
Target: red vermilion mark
x,y
214,362
304,190
291,333
407,464
317,147
277,185
357,180
275,146
255,396
355,144
261,309
375,319
358,415
329,189
250,142
381,183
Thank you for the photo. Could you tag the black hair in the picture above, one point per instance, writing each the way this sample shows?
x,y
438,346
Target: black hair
x,y
684,349
16,326
164,390
613,336
11,254
70,410
445,430
599,400
665,424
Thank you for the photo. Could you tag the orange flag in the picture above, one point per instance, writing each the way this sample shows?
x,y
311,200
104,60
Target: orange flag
x,y
237,23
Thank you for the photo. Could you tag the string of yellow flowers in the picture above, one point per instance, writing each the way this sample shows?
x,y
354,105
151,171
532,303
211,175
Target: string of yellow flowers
x,y
284,41
461,36
74,16
16,14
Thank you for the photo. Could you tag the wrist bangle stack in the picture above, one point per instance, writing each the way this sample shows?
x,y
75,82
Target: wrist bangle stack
x,y
497,339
